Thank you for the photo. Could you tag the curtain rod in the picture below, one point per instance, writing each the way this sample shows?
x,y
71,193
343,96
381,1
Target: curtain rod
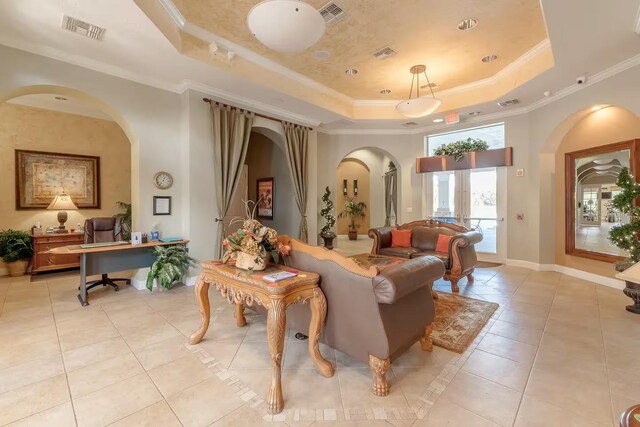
x,y
211,101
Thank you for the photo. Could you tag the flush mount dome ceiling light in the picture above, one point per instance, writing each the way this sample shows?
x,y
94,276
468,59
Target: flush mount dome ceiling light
x,y
418,106
286,25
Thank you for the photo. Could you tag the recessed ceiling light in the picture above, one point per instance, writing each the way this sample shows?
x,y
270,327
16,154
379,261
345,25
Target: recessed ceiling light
x,y
322,55
467,24
430,85
385,91
489,58
351,71
474,113
60,98
438,120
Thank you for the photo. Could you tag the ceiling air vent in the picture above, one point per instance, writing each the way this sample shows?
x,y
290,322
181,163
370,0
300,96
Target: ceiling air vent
x,y
332,13
384,53
509,103
83,28
409,124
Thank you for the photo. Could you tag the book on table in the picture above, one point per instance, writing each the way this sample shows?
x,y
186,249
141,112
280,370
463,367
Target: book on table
x,y
279,276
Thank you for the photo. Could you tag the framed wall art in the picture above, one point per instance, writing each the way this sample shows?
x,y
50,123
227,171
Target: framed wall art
x,y
40,176
162,205
265,194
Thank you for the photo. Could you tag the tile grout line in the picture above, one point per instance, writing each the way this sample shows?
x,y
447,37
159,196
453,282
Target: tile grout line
x,y
604,349
64,365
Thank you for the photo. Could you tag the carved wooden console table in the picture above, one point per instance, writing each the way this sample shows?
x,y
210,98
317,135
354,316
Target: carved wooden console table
x,y
242,287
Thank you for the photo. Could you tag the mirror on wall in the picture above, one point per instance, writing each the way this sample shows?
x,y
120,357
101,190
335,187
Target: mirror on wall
x,y
591,176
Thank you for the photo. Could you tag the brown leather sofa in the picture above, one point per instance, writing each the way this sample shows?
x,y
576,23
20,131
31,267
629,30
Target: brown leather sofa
x,y
373,316
460,260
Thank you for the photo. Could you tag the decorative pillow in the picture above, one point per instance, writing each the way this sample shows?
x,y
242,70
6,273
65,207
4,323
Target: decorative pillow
x,y
400,238
443,243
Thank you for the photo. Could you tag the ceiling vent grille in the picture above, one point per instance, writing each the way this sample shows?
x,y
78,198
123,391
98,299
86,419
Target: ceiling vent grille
x,y
409,124
509,103
384,53
332,13
83,28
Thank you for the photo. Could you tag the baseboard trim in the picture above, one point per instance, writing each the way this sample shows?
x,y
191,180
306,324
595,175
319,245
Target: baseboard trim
x,y
579,274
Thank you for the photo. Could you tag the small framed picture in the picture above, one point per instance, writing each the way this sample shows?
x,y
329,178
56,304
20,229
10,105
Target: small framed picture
x,y
136,238
162,205
265,195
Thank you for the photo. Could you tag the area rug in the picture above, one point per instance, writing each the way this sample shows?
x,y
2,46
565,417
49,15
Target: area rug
x,y
459,320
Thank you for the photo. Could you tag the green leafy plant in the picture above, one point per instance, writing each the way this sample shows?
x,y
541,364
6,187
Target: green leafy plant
x,y
392,166
353,210
626,236
170,266
327,213
457,149
126,219
15,245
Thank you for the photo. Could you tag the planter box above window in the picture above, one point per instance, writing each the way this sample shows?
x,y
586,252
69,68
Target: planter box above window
x,y
473,160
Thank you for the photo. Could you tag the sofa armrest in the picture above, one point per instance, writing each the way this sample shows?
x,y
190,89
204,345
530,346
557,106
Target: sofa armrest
x,y
403,279
466,239
381,238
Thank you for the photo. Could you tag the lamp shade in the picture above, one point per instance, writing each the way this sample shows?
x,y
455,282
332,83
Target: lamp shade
x,y
286,25
62,202
418,107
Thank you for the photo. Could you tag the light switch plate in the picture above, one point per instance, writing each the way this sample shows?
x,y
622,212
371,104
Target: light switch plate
x,y
409,210
519,172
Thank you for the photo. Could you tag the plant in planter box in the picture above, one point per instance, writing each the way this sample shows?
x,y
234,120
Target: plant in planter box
x,y
353,210
16,251
326,212
458,149
170,266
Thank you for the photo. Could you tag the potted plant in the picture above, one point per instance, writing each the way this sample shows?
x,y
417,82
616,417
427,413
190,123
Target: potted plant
x,y
170,266
627,236
16,251
326,212
252,244
125,218
458,149
353,210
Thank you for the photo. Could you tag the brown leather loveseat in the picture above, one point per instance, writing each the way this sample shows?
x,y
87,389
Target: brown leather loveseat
x,y
372,316
460,260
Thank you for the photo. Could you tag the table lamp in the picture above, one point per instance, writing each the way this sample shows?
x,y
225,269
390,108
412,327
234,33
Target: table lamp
x,y
62,202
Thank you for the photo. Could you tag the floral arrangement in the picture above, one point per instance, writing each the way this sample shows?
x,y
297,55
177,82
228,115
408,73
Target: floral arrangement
x,y
255,240
459,148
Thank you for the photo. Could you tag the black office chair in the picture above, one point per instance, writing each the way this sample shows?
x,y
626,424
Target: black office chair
x,y
100,230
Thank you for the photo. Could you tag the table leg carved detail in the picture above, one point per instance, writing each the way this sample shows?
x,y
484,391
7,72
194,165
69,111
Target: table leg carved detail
x,y
202,292
240,319
276,328
379,368
318,315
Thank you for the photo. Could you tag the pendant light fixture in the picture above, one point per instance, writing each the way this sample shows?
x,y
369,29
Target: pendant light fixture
x,y
286,25
418,106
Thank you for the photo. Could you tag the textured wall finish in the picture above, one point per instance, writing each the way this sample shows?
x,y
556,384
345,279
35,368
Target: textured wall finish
x,y
29,128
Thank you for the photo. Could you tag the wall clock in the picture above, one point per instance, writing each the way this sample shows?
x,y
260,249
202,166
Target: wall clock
x,y
163,180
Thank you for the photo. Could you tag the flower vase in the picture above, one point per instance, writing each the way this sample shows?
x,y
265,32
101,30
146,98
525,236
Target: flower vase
x,y
246,261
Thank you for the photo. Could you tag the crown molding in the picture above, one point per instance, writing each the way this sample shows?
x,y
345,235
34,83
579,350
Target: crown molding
x,y
176,16
90,64
250,104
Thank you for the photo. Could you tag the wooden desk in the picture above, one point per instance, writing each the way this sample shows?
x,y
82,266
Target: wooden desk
x,y
108,259
245,287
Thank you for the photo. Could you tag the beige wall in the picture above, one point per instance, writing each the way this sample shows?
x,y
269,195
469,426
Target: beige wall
x,y
601,127
351,169
29,128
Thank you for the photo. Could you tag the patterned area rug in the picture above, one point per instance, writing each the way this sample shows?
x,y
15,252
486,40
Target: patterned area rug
x,y
459,320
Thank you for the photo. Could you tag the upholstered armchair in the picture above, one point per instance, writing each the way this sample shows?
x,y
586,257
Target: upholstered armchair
x,y
460,260
372,315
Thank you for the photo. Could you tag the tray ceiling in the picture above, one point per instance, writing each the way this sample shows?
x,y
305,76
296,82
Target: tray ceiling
x,y
421,31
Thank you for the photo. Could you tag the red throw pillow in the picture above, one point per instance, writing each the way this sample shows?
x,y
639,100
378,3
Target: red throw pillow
x,y
400,238
443,243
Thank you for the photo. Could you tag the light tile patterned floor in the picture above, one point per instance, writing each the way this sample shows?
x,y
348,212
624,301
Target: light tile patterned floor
x,y
559,352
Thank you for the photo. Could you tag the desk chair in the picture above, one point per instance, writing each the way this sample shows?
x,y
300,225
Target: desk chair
x,y
101,230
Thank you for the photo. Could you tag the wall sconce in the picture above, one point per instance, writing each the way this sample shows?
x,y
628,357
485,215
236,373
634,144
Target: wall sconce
x,y
355,187
344,187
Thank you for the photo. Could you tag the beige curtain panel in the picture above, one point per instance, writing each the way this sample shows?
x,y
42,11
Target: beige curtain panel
x,y
296,139
231,132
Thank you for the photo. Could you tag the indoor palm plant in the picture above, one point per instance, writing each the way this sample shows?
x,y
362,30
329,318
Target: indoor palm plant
x,y
16,251
326,212
170,266
353,210
125,218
